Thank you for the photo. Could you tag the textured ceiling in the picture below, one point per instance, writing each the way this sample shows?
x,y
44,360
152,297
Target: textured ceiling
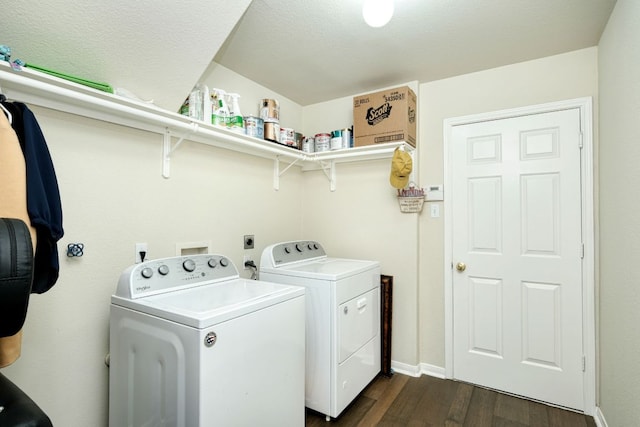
x,y
312,50
307,50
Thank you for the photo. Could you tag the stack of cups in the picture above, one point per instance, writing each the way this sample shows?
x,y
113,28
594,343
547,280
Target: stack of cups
x,y
270,114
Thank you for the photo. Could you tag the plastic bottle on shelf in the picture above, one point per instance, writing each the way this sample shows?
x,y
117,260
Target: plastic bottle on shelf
x,y
199,103
195,104
206,101
235,121
184,108
220,109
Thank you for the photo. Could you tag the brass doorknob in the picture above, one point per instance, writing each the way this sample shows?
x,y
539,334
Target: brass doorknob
x,y
461,266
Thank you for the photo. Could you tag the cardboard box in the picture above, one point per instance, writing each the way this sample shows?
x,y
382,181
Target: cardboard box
x,y
385,116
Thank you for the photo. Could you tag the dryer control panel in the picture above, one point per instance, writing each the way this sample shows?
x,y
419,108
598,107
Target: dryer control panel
x,y
170,274
289,252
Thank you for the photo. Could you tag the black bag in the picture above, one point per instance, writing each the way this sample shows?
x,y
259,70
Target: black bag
x,y
18,409
16,274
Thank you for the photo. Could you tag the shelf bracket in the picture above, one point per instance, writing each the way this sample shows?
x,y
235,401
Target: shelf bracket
x,y
167,150
276,171
331,175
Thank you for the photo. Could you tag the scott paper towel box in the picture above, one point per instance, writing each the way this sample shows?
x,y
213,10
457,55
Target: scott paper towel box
x,y
385,116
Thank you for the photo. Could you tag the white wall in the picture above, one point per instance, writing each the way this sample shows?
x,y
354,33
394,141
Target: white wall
x,y
567,76
619,66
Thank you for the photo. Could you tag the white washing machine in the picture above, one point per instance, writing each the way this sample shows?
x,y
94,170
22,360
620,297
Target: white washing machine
x,y
192,344
343,319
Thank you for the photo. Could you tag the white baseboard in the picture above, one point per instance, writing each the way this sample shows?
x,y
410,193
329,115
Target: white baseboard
x,y
417,370
599,418
432,370
406,369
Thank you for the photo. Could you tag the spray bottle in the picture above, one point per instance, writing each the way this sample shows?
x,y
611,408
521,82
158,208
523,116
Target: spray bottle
x,y
220,110
235,122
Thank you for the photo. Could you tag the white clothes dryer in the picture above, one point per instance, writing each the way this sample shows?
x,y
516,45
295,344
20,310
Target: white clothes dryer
x,y
342,319
193,344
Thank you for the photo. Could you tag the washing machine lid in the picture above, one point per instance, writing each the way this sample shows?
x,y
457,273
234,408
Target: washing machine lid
x,y
324,269
203,306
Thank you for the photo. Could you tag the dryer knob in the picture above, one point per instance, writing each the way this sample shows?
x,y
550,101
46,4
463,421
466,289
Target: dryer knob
x,y
224,262
299,247
310,246
213,263
163,269
189,265
315,246
146,272
287,249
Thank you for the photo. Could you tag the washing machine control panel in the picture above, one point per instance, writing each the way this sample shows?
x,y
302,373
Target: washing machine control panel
x,y
169,274
288,252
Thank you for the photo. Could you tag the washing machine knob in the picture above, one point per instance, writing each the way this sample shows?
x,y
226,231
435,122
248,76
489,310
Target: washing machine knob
x,y
163,269
189,265
213,263
315,246
299,247
224,262
287,249
146,272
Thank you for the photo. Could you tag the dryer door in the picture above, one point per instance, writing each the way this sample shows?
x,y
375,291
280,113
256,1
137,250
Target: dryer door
x,y
358,323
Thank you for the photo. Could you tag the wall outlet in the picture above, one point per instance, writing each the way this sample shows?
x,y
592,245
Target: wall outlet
x,y
249,241
141,252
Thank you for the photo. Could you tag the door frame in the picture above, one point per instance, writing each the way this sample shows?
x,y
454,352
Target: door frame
x,y
584,105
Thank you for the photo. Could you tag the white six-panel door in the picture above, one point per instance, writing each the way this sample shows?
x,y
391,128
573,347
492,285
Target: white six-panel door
x,y
517,256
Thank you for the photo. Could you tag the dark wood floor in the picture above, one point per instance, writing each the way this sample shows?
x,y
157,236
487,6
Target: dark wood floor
x,y
428,401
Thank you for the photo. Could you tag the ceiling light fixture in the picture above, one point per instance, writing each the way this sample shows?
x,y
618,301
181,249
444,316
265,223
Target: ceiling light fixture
x,y
377,13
